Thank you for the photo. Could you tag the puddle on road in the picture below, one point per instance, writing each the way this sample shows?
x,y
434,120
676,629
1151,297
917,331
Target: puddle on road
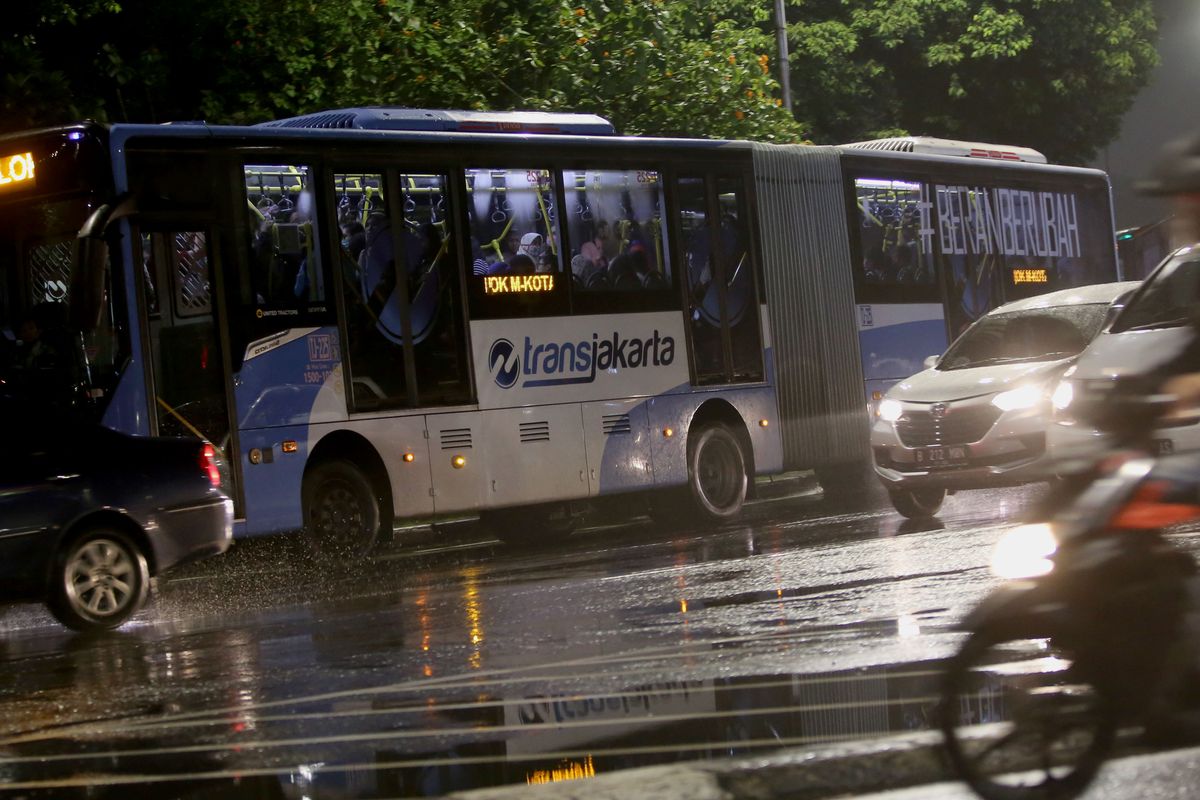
x,y
427,743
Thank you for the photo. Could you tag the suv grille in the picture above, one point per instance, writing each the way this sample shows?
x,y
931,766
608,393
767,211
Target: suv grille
x,y
958,426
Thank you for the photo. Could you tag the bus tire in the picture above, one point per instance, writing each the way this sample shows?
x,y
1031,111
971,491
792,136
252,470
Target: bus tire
x,y
918,503
100,580
342,514
717,475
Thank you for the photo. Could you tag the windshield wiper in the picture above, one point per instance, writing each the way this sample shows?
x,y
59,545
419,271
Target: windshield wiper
x,y
1166,323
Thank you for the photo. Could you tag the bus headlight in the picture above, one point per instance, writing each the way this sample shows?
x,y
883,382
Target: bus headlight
x,y
1024,552
1063,395
1017,399
889,410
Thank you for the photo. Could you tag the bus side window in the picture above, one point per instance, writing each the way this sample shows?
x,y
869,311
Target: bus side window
x,y
894,232
285,259
516,255
375,297
617,231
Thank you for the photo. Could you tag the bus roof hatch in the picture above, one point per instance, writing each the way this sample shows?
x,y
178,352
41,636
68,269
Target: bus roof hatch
x,y
391,118
931,146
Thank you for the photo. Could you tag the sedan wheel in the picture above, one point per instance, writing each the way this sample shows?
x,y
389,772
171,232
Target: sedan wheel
x,y
102,579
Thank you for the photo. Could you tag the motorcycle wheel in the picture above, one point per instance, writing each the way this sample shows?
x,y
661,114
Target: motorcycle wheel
x,y
1023,718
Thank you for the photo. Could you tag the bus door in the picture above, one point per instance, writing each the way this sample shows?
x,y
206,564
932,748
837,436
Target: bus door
x,y
721,286
189,392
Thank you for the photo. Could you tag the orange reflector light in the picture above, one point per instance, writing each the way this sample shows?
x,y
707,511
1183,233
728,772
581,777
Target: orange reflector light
x,y
876,396
762,423
409,458
289,446
458,462
668,432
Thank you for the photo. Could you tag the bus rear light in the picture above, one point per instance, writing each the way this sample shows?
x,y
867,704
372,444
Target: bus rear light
x,y
289,446
208,462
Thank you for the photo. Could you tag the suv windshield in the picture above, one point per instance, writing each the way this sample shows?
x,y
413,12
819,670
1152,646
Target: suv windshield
x,y
1040,334
1168,297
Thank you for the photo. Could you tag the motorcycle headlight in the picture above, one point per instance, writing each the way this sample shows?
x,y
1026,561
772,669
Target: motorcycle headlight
x,y
1063,395
1016,399
1024,552
890,410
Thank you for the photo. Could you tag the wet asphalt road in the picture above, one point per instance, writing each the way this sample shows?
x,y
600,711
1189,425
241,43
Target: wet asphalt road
x,y
454,662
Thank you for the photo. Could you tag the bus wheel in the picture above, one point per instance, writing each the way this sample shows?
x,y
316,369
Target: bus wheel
x,y
341,511
717,478
918,503
100,580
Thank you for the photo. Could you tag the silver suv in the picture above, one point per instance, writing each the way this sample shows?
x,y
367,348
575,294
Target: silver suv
x,y
977,417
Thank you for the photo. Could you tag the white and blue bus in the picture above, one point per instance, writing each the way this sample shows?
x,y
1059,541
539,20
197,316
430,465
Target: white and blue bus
x,y
388,313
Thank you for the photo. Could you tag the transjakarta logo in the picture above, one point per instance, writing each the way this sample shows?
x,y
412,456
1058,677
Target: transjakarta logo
x,y
560,363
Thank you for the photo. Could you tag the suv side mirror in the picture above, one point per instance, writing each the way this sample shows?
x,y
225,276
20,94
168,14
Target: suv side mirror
x,y
931,362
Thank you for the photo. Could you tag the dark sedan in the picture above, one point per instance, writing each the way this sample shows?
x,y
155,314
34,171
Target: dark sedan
x,y
88,515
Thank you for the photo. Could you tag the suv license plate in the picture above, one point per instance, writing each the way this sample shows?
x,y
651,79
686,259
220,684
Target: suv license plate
x,y
941,456
1164,447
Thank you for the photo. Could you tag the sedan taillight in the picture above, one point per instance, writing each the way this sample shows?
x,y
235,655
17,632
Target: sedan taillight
x,y
208,462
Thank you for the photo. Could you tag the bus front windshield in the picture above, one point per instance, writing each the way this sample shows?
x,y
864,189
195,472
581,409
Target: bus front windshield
x,y
41,356
1041,334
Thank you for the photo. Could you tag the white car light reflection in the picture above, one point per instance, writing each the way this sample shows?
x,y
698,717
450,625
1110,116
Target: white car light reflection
x,y
1025,552
1063,395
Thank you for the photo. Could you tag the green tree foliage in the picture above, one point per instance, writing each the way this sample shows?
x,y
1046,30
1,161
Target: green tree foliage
x,y
36,87
1056,74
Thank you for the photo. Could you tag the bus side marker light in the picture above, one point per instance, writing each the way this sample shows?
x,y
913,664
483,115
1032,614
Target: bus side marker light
x,y
762,423
409,458
458,462
668,432
289,446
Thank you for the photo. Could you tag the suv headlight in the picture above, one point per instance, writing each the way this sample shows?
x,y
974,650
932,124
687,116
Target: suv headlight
x,y
1016,399
890,410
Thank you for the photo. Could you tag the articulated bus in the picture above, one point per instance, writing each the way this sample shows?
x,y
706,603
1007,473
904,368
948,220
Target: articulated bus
x,y
385,313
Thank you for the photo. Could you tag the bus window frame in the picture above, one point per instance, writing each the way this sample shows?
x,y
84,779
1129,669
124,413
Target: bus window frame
x,y
602,302
867,292
481,306
390,169
711,172
257,326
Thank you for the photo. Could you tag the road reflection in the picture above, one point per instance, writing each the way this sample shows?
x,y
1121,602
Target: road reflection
x,y
452,663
